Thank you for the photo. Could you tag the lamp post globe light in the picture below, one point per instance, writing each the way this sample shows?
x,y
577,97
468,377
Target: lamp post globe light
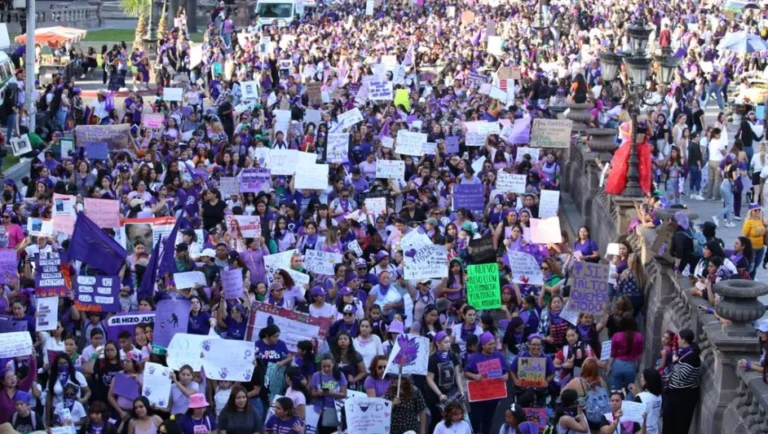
x,y
638,65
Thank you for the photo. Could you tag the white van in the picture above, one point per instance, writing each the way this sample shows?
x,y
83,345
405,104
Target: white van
x,y
6,72
276,12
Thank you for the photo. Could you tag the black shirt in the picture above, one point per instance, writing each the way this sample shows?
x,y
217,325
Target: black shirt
x,y
213,214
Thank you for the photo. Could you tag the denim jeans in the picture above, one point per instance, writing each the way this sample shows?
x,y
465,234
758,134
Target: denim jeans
x,y
11,122
694,176
750,151
259,406
759,255
622,374
718,92
726,189
672,187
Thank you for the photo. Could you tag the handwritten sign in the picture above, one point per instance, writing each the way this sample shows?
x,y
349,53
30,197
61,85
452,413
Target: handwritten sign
x,y
15,344
320,262
104,212
605,350
254,180
522,151
525,269
532,372
294,326
410,143
426,262
312,177
380,91
469,196
549,203
185,349
390,169
97,293
338,148
507,183
483,288
230,185
368,415
232,283
153,120
348,119
633,411
486,390
589,287
551,133
411,352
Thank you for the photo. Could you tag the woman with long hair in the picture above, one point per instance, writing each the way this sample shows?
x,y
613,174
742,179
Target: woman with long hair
x,y
284,421
632,282
367,344
754,228
98,420
297,391
626,349
12,384
62,372
762,329
742,256
648,392
407,407
327,385
143,420
453,421
468,326
238,415
104,371
350,362
377,383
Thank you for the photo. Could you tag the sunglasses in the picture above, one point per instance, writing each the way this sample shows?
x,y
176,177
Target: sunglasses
x,y
380,368
349,314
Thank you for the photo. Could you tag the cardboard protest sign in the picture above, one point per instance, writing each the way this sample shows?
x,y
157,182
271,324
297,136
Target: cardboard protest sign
x,y
551,133
47,313
525,269
469,196
226,359
549,202
507,183
411,352
185,349
390,169
52,275
232,283
127,321
16,344
337,149
410,143
368,415
589,287
483,287
426,262
156,384
486,390
104,212
314,92
97,293
172,317
320,262
254,180
294,326
532,372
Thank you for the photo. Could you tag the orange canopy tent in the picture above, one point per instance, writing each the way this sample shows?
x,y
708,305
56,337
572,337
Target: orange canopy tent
x,y
55,37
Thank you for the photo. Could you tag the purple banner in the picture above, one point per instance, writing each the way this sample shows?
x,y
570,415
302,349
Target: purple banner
x,y
172,317
97,293
254,180
127,321
469,196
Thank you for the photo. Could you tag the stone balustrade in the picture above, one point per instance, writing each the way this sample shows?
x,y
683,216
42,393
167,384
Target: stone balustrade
x,y
82,16
731,401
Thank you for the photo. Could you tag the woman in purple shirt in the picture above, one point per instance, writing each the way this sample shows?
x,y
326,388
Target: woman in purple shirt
x,y
586,246
253,258
377,383
487,364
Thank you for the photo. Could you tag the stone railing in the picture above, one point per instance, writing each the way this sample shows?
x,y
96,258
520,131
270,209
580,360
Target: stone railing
x,y
731,401
81,16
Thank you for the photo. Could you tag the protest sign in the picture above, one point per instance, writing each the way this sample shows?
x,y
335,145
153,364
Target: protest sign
x,y
250,90
230,185
486,390
16,344
249,226
569,314
52,275
518,132
612,249
537,416
411,352
452,144
551,133
410,143
173,94
39,227
104,212
254,180
8,265
97,293
354,246
348,119
368,415
549,202
376,206
425,262
63,205
314,92
156,384
282,122
589,287
524,269
64,225
634,411
67,147
153,120
483,288
185,349
311,177
546,231
282,162
125,385
481,251
475,139
337,150
188,279
467,17
226,359
126,322
507,183
390,169
47,313
495,44
274,262
294,326
380,91
320,262
20,145
525,150
232,283
508,72
116,136
172,316
499,95
97,151
387,142
469,196
532,372
605,350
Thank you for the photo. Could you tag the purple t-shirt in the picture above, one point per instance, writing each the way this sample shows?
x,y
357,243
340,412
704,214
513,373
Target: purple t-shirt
x,y
492,366
199,324
321,381
271,353
379,385
278,426
587,247
205,425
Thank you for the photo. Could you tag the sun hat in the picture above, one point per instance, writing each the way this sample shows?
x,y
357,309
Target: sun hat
x,y
197,400
763,326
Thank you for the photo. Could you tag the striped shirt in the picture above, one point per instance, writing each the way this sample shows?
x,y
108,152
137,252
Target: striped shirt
x,y
685,373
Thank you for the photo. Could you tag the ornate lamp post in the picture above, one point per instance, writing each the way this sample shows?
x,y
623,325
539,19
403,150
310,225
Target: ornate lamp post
x,y
638,65
540,20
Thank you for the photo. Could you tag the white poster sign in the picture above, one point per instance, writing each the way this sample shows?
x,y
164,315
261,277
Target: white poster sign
x,y
47,313
16,344
157,384
185,349
337,150
426,262
348,119
311,177
390,169
272,263
226,359
507,183
410,143
320,262
414,357
188,279
549,202
376,206
249,225
368,415
525,269
173,94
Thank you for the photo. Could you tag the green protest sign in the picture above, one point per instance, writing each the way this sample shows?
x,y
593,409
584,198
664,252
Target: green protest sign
x,y
483,289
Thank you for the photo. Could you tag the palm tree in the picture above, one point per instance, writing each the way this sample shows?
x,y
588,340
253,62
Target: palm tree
x,y
140,9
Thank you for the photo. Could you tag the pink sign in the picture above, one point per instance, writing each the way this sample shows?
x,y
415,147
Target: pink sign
x,y
103,212
489,368
64,224
153,120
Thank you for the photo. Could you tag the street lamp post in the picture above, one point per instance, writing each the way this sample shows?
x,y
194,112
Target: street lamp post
x,y
638,65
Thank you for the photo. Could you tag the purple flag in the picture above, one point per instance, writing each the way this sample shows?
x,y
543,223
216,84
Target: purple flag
x,y
166,263
521,131
94,247
147,286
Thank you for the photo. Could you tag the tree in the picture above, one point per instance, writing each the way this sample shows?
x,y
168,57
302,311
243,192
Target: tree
x,y
140,9
162,25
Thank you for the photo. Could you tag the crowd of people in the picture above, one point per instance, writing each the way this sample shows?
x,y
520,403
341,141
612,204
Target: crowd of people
x,y
444,78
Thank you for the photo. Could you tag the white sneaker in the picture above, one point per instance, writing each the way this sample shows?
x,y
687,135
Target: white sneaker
x,y
699,197
716,220
730,225
737,218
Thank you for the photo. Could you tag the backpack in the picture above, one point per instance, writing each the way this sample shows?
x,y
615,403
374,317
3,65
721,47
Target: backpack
x,y
597,402
699,240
